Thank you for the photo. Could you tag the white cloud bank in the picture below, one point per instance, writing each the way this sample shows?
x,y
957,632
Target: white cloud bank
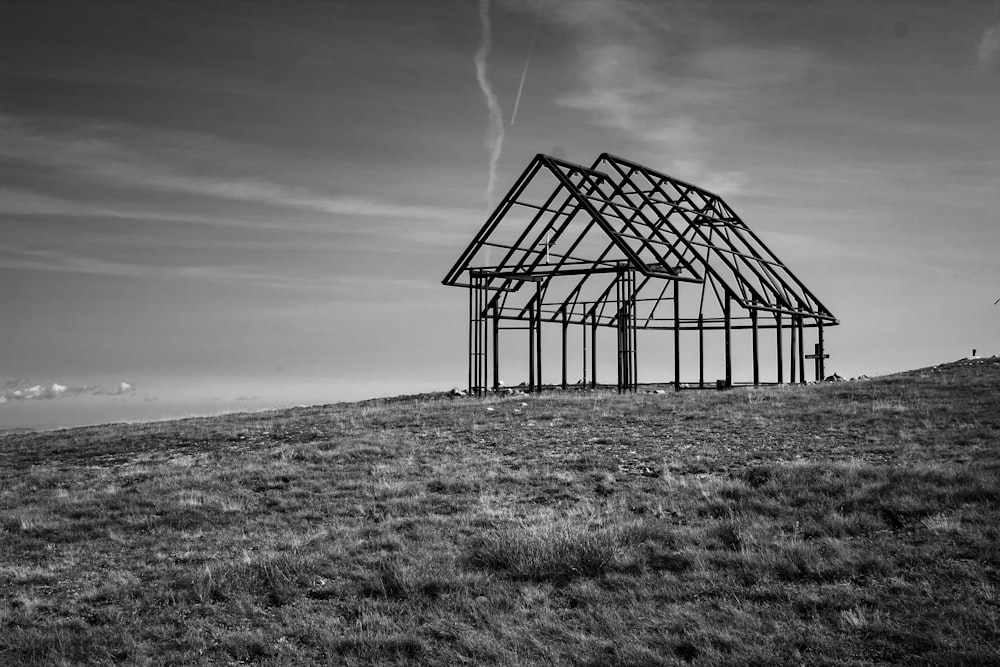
x,y
23,390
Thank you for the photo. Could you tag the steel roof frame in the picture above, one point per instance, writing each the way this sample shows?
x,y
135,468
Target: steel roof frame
x,y
652,232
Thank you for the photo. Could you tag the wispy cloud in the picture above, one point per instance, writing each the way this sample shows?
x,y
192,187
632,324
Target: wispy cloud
x,y
21,259
23,390
619,85
624,88
356,216
27,259
670,102
61,261
161,160
989,46
23,202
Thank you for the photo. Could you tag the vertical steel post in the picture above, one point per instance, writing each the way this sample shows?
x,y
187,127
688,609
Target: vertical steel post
x,y
627,329
483,340
531,349
472,329
593,350
631,332
756,352
565,327
821,351
802,350
538,333
701,351
618,327
477,336
792,353
729,341
677,335
477,340
496,347
780,351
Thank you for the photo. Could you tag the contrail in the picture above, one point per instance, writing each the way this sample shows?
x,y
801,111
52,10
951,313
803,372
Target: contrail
x,y
494,134
989,45
531,48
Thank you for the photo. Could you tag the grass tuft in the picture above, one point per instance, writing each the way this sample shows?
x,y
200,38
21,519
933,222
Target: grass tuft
x,y
553,550
273,580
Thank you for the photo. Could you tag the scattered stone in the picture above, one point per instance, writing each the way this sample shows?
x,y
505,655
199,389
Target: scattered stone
x,y
457,392
834,378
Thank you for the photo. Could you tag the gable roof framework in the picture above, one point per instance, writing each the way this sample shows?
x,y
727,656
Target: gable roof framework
x,y
611,245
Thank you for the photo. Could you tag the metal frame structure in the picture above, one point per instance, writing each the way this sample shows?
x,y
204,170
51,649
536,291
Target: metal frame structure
x,y
622,246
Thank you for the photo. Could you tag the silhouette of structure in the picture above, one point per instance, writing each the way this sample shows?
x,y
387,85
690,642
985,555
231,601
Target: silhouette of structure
x,y
618,245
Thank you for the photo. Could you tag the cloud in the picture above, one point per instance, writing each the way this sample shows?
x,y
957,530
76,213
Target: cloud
x,y
989,47
158,160
36,391
436,226
630,83
23,390
23,259
651,79
122,388
620,91
14,258
121,173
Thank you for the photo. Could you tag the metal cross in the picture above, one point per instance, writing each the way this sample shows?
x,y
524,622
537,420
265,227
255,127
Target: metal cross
x,y
818,358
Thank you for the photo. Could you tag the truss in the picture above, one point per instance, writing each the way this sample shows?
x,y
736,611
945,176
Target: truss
x,y
620,245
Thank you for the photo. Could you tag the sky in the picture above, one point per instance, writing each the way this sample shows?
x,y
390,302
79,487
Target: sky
x,y
216,206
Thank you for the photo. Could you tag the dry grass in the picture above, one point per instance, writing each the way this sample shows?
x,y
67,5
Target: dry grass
x,y
842,524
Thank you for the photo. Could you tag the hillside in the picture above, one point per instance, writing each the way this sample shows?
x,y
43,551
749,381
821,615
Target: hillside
x,y
844,523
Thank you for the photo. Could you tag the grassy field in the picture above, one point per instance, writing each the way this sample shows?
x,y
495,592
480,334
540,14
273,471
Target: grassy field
x,y
838,524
